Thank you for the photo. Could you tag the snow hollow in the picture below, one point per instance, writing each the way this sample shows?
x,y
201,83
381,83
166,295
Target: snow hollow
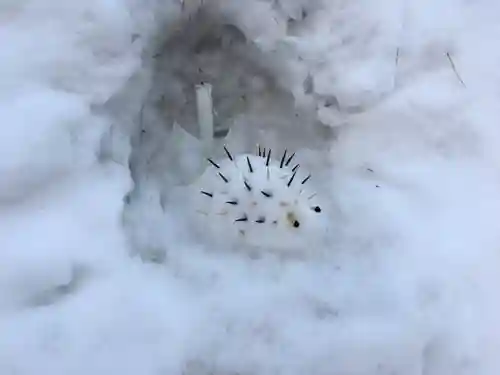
x,y
106,266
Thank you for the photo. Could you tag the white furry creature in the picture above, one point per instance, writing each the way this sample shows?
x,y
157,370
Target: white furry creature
x,y
257,201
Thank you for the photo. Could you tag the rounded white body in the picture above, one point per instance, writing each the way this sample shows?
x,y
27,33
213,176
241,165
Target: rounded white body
x,y
254,201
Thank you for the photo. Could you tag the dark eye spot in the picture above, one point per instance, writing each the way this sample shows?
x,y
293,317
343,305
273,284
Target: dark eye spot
x,y
296,224
317,209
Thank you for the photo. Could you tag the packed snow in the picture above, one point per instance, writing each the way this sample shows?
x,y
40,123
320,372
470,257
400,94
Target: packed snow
x,y
391,105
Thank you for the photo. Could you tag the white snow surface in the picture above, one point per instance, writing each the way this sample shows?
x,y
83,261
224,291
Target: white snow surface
x,y
410,281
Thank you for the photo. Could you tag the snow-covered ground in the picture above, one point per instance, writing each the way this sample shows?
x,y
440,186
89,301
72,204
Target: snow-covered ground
x,y
393,106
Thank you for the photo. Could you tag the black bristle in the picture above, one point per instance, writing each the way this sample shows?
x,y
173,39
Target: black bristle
x,y
228,153
241,219
289,159
306,179
291,179
223,177
267,194
283,159
264,153
207,194
249,165
214,163
233,202
296,167
259,151
268,157
261,220
248,187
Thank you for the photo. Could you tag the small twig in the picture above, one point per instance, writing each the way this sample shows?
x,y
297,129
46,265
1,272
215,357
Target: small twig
x,y
455,69
141,121
396,63
205,113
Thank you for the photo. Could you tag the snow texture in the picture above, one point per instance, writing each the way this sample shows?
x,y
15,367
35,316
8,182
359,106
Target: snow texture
x,y
391,105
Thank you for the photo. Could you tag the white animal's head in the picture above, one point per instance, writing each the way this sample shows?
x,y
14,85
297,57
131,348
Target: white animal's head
x,y
258,201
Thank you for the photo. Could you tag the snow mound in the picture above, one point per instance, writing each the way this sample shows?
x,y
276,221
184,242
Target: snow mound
x,y
260,201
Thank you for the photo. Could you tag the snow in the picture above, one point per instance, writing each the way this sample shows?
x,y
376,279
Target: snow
x,y
99,269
